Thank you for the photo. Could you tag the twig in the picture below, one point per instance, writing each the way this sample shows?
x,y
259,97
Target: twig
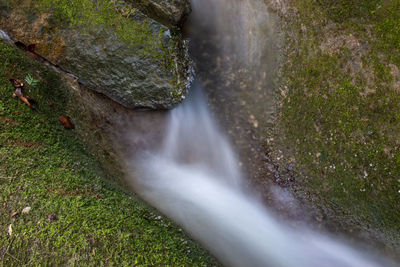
x,y
8,247
13,257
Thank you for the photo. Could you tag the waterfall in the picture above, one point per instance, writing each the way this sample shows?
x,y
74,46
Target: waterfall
x,y
5,37
194,176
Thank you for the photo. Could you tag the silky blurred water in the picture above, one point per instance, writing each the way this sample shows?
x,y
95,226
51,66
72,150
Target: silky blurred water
x,y
194,179
4,36
194,176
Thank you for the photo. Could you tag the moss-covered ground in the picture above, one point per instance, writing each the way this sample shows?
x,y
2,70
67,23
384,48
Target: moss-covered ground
x,y
77,218
340,114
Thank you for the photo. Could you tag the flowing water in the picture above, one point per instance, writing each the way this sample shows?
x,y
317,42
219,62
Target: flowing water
x,y
4,36
194,177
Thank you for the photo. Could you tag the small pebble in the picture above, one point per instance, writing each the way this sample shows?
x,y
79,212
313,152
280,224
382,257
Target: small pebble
x,y
26,210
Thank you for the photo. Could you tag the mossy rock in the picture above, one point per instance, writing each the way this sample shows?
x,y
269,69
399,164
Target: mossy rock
x,y
111,47
169,12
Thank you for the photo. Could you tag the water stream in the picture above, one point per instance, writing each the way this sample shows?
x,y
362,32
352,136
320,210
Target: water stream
x,y
194,176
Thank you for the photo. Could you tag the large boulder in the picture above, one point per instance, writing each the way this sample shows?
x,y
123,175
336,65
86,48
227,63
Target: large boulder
x,y
170,12
112,49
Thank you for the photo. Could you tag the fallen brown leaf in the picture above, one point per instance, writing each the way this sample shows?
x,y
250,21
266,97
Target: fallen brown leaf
x,y
15,83
14,214
107,260
18,93
10,230
66,121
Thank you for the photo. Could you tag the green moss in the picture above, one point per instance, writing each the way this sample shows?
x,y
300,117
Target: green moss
x,y
47,168
341,118
388,29
344,11
88,15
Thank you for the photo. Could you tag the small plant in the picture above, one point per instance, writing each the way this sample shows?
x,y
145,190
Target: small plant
x,y
29,79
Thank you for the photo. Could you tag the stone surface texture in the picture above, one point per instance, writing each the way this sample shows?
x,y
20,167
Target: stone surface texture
x,y
102,60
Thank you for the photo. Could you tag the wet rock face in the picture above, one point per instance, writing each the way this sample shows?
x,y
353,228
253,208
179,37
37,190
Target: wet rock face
x,y
104,64
148,72
169,12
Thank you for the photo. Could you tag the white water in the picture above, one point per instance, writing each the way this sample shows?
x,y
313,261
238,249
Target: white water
x,y
195,180
4,36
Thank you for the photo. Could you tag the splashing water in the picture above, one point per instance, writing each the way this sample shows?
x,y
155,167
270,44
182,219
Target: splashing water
x,y
194,179
197,142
